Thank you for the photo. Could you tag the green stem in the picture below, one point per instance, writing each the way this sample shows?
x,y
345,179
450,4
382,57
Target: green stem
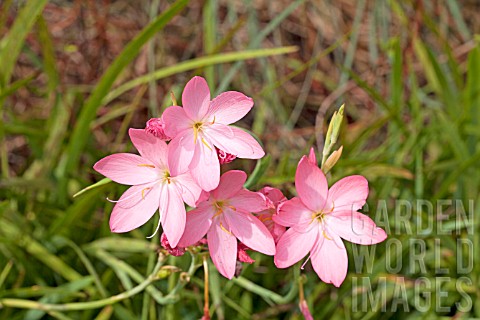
x,y
268,294
28,304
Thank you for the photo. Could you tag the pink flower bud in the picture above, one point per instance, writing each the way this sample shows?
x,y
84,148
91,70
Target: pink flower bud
x,y
178,251
224,157
156,126
242,254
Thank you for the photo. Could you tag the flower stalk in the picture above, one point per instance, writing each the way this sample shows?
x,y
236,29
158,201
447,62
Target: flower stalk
x,y
206,306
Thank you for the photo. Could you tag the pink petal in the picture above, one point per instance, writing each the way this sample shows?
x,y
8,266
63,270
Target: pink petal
x,y
231,182
176,121
188,188
329,259
205,167
293,246
277,231
311,185
127,168
293,213
180,153
199,221
356,227
349,193
273,194
196,98
234,141
250,231
149,147
229,107
172,213
135,207
248,201
222,245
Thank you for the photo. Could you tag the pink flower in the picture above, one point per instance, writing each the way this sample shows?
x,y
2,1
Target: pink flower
x,y
225,217
274,198
156,126
155,185
201,125
319,218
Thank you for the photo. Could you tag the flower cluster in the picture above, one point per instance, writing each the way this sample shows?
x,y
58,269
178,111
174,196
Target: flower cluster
x,y
179,163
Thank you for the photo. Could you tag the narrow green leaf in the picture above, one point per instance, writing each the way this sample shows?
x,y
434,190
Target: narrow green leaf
x,y
193,64
93,186
11,45
258,172
80,133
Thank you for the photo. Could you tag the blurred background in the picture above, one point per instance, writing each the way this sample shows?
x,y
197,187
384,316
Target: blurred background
x,y
75,75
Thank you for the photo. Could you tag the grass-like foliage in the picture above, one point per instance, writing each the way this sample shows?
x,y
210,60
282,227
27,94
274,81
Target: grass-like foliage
x,y
75,75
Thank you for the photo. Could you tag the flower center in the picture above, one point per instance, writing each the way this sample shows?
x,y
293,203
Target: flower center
x,y
219,205
318,216
166,177
197,127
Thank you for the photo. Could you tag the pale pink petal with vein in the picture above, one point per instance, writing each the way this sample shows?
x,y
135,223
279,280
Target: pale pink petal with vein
x,y
199,221
293,213
356,227
149,147
311,185
135,207
172,213
231,182
127,168
176,121
249,201
329,259
222,245
249,230
349,193
234,141
205,167
188,188
293,246
229,107
196,98
180,153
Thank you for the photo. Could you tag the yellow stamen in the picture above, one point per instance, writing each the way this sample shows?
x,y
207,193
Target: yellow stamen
x,y
232,207
325,235
206,144
166,176
146,165
196,128
217,213
266,218
143,192
223,228
213,120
